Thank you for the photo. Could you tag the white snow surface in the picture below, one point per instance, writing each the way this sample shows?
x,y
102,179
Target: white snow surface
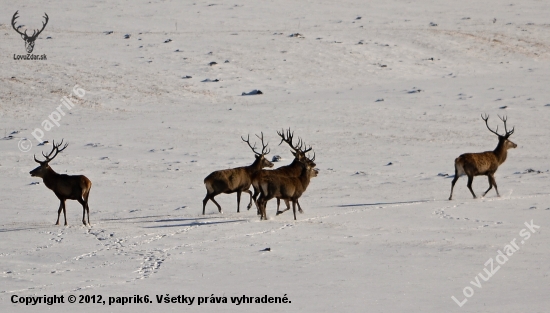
x,y
374,237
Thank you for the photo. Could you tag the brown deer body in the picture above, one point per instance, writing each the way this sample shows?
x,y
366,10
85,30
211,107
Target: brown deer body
x,y
236,179
285,188
294,169
484,163
65,187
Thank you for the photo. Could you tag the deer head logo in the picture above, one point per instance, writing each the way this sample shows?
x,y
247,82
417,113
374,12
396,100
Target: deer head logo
x,y
29,40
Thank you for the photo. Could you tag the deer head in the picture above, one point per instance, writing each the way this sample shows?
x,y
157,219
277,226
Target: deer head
x,y
44,168
29,40
309,164
502,139
260,157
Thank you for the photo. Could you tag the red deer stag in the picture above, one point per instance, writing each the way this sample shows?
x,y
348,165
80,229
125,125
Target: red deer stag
x,y
484,163
286,188
72,187
236,179
294,169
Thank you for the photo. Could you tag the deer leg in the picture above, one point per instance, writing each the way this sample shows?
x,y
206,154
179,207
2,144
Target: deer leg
x,y
250,203
299,207
255,197
238,200
294,208
83,210
492,178
210,197
490,184
88,212
287,206
453,184
263,203
470,180
204,203
261,207
263,214
87,207
216,203
65,212
278,204
264,209
59,211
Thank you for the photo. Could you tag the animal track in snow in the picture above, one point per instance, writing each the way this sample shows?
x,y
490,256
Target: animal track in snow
x,y
152,261
441,213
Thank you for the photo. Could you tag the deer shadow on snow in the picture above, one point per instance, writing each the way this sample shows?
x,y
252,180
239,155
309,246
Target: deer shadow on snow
x,y
380,203
193,223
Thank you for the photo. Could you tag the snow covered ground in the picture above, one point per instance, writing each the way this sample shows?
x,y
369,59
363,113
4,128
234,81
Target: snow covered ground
x,y
388,93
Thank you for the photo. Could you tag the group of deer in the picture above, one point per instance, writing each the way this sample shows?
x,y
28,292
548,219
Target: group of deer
x,y
286,183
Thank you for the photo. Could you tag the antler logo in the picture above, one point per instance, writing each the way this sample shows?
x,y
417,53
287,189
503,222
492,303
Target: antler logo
x,y
29,40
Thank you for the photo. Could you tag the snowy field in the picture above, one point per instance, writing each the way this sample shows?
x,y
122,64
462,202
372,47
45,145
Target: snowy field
x,y
388,93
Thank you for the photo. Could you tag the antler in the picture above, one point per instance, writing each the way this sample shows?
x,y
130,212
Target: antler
x,y
34,34
508,133
487,124
248,142
503,119
13,23
307,149
43,25
288,140
54,149
264,146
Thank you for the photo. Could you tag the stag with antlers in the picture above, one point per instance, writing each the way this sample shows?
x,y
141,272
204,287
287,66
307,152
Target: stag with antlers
x,y
484,163
294,169
72,187
286,188
236,179
29,40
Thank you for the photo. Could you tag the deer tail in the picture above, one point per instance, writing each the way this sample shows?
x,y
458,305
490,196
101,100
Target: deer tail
x,y
86,186
209,187
459,167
